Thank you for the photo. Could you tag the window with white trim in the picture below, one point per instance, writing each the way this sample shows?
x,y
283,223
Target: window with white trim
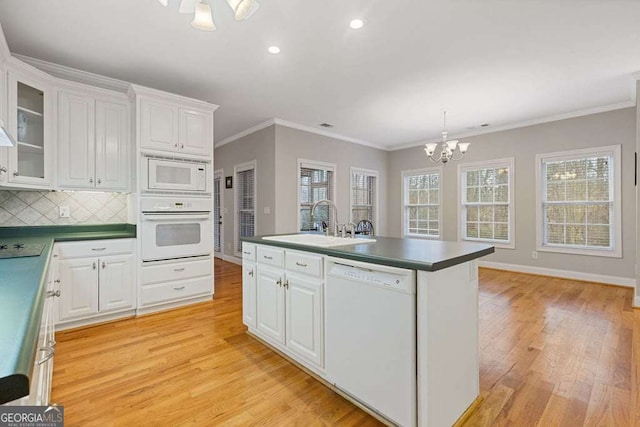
x,y
421,190
364,195
487,202
316,182
245,201
579,201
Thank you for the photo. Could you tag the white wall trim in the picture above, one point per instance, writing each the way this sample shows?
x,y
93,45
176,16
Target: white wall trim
x,y
532,122
229,258
311,129
636,303
246,132
564,274
75,75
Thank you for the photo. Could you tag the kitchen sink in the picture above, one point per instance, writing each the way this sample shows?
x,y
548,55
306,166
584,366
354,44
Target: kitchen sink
x,y
319,240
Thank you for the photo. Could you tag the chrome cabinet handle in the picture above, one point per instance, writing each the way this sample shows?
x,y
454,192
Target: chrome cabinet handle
x,y
56,281
251,273
286,284
299,264
279,282
181,145
178,288
178,269
246,253
175,145
3,169
94,265
48,356
99,181
103,265
91,180
51,343
267,257
98,249
16,173
51,294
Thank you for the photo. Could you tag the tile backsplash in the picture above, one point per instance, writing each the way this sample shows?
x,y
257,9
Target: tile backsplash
x,y
20,208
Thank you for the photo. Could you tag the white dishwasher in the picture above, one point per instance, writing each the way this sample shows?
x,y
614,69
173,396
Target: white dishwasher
x,y
371,336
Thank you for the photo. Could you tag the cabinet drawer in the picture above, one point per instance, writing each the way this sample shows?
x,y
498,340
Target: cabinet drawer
x,y
271,256
176,271
95,248
248,252
302,262
163,292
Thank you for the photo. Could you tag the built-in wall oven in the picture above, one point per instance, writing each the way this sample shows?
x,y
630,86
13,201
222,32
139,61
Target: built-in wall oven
x,y
174,227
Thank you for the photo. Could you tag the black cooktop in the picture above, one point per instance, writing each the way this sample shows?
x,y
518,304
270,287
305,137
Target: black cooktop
x,y
19,249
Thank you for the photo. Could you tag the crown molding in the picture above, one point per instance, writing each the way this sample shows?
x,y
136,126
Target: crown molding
x,y
252,129
298,126
532,122
79,76
4,47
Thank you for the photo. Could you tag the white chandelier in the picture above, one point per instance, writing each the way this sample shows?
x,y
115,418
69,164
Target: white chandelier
x,y
203,17
447,148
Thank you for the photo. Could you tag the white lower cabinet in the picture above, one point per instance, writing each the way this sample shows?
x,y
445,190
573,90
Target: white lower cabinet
x,y
287,291
249,300
95,288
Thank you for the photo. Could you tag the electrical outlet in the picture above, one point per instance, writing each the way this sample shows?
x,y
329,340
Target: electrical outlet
x,y
267,211
534,255
64,212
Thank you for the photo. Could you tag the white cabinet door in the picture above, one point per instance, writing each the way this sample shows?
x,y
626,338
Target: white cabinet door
x,y
304,317
249,300
270,298
29,119
196,132
112,146
76,140
159,125
78,288
117,284
4,165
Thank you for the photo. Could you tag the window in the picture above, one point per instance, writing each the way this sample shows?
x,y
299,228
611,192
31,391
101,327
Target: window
x,y
317,182
421,190
578,208
364,195
487,202
245,195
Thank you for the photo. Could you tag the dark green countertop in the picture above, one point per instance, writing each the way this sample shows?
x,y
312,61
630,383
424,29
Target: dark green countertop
x,y
22,290
413,254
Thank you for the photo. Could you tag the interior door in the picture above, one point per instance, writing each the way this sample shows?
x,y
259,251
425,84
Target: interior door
x,y
217,212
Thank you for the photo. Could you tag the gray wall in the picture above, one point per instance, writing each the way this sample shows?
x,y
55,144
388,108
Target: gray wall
x,y
610,128
259,146
292,144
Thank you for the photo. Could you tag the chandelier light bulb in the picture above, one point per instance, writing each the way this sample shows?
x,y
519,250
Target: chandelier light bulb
x,y
203,19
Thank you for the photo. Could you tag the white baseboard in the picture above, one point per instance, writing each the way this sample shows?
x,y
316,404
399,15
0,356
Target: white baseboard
x,y
229,258
574,275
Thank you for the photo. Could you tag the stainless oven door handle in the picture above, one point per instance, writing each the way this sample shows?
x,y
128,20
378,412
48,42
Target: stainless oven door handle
x,y
182,218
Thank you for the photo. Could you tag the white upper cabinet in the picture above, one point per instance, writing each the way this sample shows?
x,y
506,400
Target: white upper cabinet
x,y
4,165
173,124
29,119
93,141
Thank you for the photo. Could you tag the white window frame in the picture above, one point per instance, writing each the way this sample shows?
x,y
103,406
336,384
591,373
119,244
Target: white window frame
x,y
405,220
241,167
368,173
616,152
315,164
462,223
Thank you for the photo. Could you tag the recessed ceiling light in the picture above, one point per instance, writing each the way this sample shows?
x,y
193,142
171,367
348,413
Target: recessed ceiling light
x,y
274,49
356,24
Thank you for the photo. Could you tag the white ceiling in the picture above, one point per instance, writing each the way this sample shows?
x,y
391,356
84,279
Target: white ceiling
x,y
498,62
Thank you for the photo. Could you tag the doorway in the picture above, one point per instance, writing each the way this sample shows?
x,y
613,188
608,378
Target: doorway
x,y
218,208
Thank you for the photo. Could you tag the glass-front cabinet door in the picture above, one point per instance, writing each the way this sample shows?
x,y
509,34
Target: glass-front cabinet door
x,y
29,117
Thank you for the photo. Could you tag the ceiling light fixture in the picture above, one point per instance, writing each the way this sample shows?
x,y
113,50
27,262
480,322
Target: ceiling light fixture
x,y
447,148
356,24
203,16
274,49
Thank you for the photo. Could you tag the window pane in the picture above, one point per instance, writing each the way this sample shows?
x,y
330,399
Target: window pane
x,y
472,195
486,231
555,214
472,213
555,234
598,236
472,230
486,213
576,214
576,235
501,214
501,231
599,214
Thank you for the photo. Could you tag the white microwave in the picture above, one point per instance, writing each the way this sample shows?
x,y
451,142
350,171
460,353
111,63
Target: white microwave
x,y
175,175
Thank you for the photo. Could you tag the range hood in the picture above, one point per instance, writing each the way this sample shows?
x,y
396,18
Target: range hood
x,y
6,140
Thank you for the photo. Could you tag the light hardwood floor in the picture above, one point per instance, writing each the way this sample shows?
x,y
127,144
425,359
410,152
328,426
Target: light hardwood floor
x,y
553,352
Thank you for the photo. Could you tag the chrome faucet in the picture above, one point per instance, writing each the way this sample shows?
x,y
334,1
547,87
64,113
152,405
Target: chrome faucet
x,y
352,229
335,214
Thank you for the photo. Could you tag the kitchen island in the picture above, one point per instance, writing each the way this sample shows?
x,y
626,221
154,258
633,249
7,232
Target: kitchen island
x,y
23,284
414,362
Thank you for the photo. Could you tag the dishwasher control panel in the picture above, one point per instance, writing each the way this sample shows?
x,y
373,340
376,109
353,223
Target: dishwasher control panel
x,y
402,280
